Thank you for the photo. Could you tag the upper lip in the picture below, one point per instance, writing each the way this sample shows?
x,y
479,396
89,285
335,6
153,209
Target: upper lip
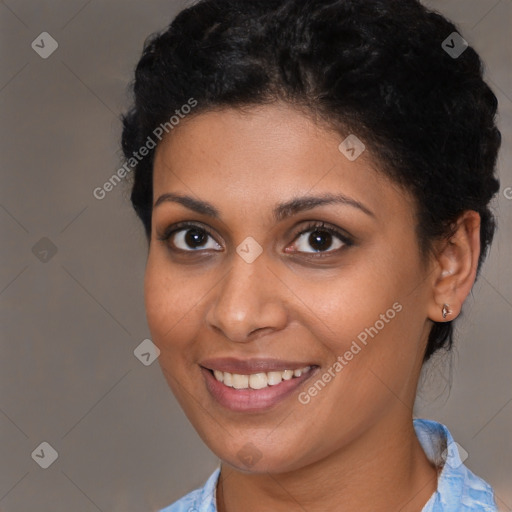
x,y
248,366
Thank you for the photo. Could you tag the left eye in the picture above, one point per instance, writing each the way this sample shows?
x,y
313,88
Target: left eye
x,y
320,239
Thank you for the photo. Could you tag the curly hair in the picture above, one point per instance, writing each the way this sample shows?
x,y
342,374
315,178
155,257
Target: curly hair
x,y
376,68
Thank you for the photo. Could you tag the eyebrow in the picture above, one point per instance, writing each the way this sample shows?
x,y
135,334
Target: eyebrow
x,y
280,211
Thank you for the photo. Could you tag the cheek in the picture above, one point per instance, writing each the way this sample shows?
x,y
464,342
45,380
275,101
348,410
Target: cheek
x,y
157,297
347,302
377,357
168,303
171,312
368,316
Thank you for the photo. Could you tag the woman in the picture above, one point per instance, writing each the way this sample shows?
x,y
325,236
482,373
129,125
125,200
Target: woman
x,y
313,178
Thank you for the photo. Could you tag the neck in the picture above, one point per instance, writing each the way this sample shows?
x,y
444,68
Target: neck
x,y
384,469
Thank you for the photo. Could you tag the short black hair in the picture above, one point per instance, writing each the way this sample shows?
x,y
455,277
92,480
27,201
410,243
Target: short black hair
x,y
375,68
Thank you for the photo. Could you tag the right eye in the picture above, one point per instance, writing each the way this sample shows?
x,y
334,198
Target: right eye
x,y
189,237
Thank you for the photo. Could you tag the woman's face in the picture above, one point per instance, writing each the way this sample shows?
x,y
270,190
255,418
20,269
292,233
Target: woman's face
x,y
258,285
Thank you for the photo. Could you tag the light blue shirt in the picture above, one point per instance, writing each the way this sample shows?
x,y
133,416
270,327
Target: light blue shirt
x,y
458,489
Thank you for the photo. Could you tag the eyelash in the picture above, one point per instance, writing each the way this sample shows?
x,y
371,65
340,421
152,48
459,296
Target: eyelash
x,y
312,226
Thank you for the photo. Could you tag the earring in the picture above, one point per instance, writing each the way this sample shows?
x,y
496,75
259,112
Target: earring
x,y
446,310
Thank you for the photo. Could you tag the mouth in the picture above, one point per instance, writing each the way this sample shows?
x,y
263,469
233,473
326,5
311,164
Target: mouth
x,y
258,380
253,385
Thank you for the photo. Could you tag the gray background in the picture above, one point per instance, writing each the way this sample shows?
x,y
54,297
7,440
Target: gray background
x,y
70,324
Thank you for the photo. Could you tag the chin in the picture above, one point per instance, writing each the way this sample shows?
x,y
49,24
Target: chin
x,y
249,457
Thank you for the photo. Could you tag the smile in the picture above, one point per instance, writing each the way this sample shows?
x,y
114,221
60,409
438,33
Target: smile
x,y
262,386
257,380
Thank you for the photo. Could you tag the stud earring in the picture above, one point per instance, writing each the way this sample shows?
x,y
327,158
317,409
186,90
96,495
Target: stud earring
x,y
446,310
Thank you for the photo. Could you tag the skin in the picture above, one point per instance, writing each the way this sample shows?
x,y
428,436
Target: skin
x,y
352,447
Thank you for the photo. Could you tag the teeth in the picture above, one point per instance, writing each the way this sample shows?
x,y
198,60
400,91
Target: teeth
x,y
228,379
240,381
257,380
274,378
287,374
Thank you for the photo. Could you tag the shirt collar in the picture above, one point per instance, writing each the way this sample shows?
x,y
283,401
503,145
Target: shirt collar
x,y
456,485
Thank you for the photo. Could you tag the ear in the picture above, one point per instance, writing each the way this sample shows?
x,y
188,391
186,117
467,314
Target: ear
x,y
455,268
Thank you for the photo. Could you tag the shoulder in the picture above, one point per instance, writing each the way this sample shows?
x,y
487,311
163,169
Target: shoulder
x,y
458,488
199,500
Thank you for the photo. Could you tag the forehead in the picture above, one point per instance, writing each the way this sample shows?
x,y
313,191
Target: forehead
x,y
258,157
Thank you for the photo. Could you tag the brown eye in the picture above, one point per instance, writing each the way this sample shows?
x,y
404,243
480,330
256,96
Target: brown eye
x,y
190,238
321,239
193,237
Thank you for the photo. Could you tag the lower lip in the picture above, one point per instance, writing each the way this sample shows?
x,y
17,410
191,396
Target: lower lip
x,y
252,400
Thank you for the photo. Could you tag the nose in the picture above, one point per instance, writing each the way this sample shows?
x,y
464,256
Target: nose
x,y
248,301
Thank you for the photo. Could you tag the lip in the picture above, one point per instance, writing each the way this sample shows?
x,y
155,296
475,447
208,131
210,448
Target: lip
x,y
253,400
248,366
